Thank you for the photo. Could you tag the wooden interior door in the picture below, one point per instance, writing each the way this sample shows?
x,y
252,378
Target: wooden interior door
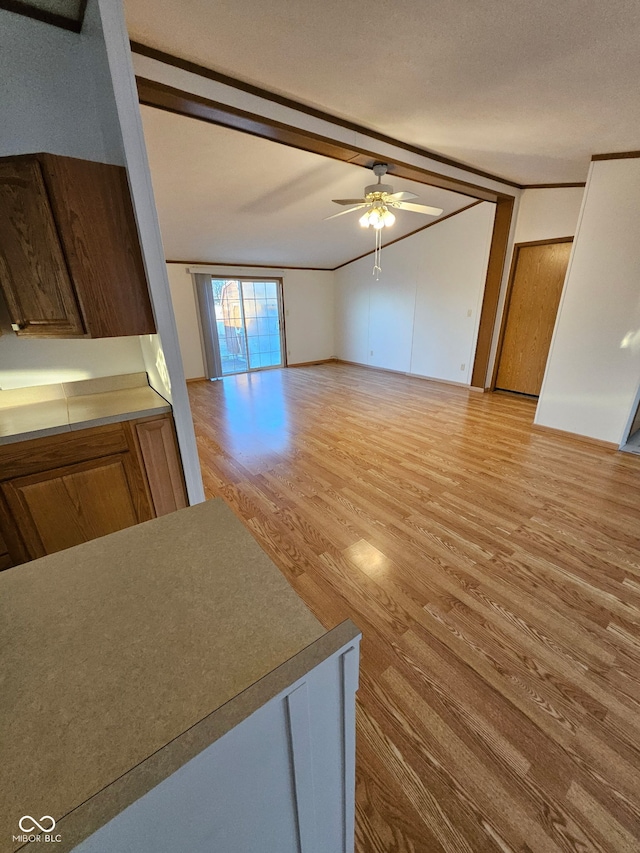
x,y
538,273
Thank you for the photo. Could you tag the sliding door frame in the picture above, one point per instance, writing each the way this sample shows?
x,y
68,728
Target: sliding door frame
x,y
208,327
208,323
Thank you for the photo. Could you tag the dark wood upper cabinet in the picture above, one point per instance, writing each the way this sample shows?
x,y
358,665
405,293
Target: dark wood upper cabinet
x,y
70,259
33,271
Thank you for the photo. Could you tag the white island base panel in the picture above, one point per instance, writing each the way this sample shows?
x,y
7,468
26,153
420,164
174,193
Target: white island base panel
x,y
281,781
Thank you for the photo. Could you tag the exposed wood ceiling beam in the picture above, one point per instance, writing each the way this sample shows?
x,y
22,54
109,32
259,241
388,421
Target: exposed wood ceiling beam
x,y
218,77
151,93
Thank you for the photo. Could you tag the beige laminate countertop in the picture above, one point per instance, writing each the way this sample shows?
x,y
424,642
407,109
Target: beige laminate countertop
x,y
47,410
120,646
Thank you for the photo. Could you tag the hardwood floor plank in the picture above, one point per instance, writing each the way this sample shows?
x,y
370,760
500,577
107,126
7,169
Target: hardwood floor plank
x,y
495,574
600,818
430,750
450,819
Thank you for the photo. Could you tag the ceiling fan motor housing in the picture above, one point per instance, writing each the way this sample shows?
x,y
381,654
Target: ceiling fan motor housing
x,y
378,188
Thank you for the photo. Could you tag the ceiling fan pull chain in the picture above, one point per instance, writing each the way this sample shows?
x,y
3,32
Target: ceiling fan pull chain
x,y
377,269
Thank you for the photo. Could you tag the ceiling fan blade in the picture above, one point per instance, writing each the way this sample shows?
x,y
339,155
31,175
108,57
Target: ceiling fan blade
x,y
351,209
352,200
402,196
420,208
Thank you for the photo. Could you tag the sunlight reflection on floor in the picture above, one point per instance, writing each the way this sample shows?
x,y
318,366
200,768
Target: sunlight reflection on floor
x,y
255,428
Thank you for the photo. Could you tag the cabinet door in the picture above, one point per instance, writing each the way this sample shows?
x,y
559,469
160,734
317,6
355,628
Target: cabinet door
x,y
92,208
5,560
33,271
63,507
161,462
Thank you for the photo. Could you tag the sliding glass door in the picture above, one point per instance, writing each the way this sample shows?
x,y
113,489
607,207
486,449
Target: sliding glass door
x,y
243,320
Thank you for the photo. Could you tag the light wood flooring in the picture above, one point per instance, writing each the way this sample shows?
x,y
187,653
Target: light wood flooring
x,y
495,574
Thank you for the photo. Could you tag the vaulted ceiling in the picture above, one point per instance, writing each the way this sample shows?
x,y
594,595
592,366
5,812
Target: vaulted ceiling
x,y
524,90
224,196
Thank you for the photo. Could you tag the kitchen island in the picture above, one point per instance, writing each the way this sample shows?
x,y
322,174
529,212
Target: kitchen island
x,y
163,688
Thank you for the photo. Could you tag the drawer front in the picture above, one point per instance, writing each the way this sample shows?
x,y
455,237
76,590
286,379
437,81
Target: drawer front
x,y
41,454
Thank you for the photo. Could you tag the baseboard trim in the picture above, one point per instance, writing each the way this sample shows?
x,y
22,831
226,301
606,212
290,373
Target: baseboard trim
x,y
447,382
371,367
411,375
575,436
310,363
196,379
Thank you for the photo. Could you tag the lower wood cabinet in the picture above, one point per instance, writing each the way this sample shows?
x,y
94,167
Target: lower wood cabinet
x,y
69,488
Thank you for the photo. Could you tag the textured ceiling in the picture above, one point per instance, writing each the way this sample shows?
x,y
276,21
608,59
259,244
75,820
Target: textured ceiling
x,y
229,197
525,90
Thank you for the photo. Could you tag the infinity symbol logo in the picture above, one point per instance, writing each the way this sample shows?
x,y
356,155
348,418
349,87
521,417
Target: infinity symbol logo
x,y
35,823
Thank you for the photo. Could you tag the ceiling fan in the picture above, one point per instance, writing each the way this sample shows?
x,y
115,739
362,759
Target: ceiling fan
x,y
379,199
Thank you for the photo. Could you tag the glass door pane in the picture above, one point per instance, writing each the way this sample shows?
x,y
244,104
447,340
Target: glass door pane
x,y
230,324
262,323
248,322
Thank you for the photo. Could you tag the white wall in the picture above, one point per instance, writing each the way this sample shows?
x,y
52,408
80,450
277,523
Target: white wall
x,y
422,315
309,315
53,94
187,323
545,214
593,371
308,306
25,362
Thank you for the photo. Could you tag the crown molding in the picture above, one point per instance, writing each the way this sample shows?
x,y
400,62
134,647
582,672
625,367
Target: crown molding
x,y
246,266
553,186
617,155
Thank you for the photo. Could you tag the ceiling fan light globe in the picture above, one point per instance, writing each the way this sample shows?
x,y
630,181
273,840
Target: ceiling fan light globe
x,y
388,218
364,221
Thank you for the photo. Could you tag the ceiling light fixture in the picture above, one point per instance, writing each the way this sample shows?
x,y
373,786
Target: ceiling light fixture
x,y
378,216
378,198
